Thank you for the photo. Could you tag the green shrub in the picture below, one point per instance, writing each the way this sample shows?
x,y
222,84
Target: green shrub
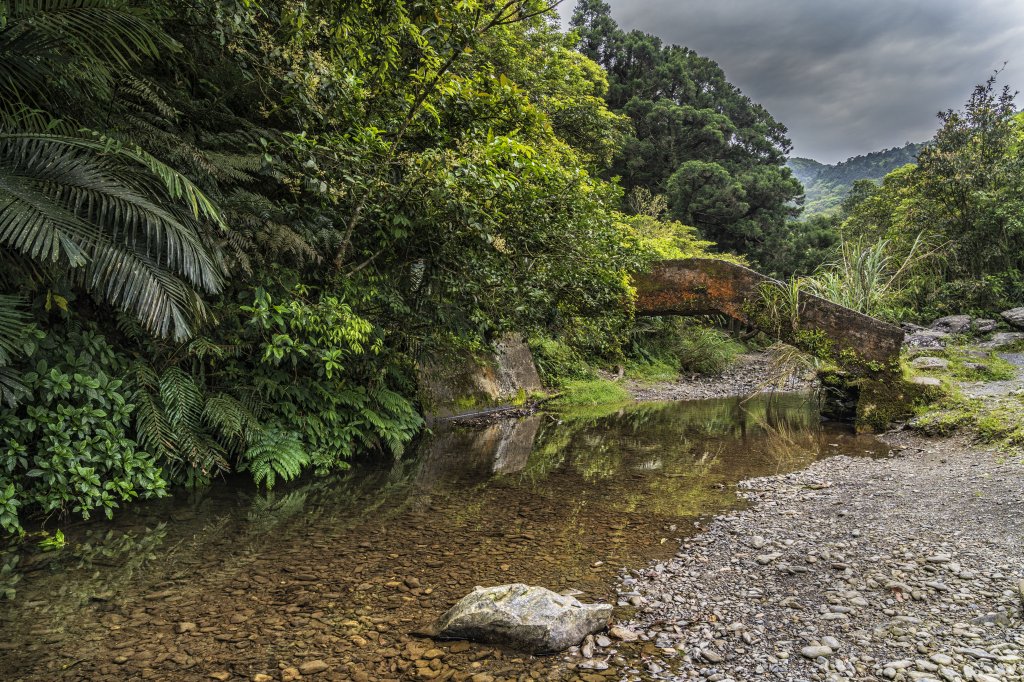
x,y
558,362
66,448
705,351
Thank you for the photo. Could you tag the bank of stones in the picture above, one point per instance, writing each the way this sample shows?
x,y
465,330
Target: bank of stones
x,y
909,568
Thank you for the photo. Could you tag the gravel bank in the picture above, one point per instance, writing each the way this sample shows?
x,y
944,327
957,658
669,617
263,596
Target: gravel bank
x,y
908,568
750,373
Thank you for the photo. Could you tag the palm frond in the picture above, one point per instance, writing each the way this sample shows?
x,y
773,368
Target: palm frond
x,y
13,319
63,202
47,44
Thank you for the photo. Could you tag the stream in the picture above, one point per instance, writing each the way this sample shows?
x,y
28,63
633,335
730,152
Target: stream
x,y
342,571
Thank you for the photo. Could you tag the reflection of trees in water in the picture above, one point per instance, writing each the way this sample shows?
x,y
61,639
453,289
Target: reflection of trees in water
x,y
670,460
675,458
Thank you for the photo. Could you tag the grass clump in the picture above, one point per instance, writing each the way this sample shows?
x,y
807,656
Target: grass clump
x,y
652,370
660,345
591,392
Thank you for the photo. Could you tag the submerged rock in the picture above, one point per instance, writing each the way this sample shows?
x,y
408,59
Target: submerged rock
x,y
532,619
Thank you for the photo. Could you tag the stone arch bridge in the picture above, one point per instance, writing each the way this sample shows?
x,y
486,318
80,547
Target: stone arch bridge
x,y
864,350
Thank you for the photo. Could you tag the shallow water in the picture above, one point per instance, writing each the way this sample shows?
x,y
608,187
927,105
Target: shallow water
x,y
343,568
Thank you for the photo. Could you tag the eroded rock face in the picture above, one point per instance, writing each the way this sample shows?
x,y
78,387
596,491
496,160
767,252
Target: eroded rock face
x,y
1014,316
531,619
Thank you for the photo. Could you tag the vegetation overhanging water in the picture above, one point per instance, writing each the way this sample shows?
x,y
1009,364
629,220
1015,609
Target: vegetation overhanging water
x,y
565,501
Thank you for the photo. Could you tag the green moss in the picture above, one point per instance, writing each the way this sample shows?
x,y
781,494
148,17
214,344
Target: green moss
x,y
997,424
884,402
465,402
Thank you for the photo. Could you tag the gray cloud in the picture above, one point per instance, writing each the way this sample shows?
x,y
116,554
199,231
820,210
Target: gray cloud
x,y
846,76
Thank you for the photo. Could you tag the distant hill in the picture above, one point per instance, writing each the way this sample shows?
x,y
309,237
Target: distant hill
x,y
827,185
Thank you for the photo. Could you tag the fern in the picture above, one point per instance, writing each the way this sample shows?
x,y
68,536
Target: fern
x,y
275,454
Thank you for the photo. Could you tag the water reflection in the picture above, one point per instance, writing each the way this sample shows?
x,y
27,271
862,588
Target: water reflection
x,y
561,500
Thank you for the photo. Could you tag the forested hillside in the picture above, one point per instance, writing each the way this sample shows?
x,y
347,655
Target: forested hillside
x,y
230,231
827,185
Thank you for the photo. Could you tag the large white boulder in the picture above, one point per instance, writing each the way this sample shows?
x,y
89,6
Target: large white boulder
x,y
531,619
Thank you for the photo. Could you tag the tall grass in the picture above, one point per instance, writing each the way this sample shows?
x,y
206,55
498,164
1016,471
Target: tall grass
x,y
868,277
684,344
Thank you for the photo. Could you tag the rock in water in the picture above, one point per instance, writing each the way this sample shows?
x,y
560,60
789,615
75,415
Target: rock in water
x,y
532,619
1014,316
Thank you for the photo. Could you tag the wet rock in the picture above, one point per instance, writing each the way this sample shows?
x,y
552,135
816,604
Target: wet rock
x,y
623,633
929,362
313,667
952,324
1015,316
532,619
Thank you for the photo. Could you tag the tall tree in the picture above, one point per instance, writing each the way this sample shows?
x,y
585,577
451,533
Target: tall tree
x,y
718,156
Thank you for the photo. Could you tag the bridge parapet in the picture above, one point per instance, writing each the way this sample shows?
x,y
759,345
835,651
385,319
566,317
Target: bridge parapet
x,y
865,350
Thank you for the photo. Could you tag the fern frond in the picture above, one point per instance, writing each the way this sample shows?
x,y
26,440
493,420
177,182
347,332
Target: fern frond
x,y
276,454
181,398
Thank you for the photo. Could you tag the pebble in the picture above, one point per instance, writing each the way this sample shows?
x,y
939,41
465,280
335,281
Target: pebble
x,y
922,594
623,633
313,667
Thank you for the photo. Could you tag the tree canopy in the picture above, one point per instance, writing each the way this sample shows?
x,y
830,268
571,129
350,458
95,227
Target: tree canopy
x,y
717,156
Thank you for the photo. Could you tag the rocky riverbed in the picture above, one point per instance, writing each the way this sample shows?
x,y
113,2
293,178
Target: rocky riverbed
x,y
905,568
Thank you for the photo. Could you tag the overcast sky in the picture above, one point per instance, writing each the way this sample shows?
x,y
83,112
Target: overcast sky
x,y
846,76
